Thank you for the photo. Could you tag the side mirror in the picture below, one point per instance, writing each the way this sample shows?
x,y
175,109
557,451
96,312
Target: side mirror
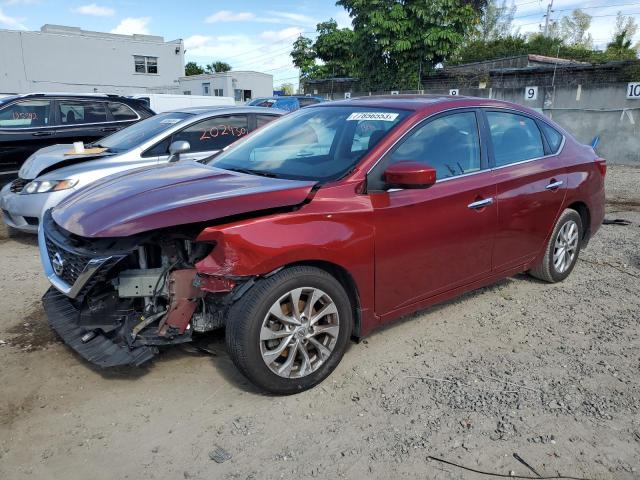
x,y
409,174
176,148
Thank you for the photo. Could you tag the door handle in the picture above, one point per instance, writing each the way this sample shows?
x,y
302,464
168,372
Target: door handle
x,y
42,134
481,203
554,185
108,129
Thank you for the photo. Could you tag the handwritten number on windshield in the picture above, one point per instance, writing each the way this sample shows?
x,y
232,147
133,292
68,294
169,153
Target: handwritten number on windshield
x,y
222,130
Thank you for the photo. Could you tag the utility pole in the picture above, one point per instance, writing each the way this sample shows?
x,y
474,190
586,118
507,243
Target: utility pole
x,y
546,22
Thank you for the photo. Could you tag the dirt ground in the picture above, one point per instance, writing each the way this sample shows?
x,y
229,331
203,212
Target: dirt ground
x,y
548,372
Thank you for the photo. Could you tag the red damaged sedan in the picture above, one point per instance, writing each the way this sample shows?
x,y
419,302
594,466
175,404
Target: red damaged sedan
x,y
317,228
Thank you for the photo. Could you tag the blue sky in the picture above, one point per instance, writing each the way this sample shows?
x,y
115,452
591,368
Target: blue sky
x,y
251,34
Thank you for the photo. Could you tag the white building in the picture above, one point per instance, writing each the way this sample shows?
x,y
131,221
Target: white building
x,y
68,59
241,85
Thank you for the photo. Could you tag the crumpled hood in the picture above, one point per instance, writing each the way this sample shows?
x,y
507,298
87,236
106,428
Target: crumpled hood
x,y
47,157
171,194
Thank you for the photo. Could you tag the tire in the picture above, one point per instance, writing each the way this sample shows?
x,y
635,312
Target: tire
x,y
266,310
554,269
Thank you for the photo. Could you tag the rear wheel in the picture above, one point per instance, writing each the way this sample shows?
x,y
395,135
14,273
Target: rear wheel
x,y
289,331
562,250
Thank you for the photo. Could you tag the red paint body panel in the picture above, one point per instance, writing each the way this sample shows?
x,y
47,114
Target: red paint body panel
x,y
404,250
171,194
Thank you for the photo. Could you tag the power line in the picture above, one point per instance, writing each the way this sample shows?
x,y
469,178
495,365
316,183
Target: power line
x,y
592,16
581,8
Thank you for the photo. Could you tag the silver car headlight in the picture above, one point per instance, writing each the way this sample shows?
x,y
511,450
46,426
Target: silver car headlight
x,y
43,186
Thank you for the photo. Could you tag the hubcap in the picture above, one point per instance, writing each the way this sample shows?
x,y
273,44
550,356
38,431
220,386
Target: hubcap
x,y
565,247
299,332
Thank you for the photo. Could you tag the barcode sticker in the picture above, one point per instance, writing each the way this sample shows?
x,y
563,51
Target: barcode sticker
x,y
384,116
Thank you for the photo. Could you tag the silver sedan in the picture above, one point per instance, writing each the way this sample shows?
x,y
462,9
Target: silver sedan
x,y
53,173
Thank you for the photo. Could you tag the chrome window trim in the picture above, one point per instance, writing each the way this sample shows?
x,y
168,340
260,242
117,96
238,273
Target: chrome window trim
x,y
76,125
484,108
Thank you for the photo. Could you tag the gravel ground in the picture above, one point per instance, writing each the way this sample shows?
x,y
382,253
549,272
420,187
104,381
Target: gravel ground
x,y
548,372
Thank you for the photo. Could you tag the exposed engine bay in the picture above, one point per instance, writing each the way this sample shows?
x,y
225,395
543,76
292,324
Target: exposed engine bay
x,y
145,292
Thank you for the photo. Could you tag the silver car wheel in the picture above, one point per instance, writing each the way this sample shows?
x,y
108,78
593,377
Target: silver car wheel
x,y
565,247
299,332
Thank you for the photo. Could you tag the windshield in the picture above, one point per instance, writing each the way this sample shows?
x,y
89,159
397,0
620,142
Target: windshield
x,y
140,132
319,143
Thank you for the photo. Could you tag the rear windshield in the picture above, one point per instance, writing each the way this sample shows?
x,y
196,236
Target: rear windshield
x,y
317,143
138,133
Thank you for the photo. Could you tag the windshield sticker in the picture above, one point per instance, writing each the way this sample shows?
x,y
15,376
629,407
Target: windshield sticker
x,y
384,116
171,121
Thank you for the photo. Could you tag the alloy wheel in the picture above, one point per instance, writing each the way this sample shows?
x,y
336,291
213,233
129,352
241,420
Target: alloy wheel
x,y
565,247
299,332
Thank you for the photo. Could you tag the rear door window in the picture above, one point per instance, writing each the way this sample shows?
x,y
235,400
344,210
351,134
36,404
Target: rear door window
x,y
262,120
215,133
554,138
121,112
26,114
515,138
74,112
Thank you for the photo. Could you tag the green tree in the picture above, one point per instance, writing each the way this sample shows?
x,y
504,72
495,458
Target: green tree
x,y
496,21
217,67
304,57
286,88
192,68
574,28
395,41
335,47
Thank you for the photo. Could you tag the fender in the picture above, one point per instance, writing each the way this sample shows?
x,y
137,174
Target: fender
x,y
335,227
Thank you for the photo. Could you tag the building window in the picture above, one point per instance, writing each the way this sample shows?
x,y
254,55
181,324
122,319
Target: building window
x,y
217,92
241,95
145,64
205,89
187,92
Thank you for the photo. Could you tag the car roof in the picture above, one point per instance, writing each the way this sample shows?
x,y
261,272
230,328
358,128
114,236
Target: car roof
x,y
424,102
75,95
227,109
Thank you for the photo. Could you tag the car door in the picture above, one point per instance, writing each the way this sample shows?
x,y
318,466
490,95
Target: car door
x,y
208,137
81,120
428,241
531,183
25,127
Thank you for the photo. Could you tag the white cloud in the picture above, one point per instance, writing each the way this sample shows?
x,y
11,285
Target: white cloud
x,y
284,34
229,16
287,18
11,22
131,25
94,10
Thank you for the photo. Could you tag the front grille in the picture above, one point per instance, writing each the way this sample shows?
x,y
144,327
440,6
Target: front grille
x,y
18,184
74,263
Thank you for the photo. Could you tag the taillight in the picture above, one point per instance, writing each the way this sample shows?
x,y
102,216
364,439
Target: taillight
x,y
602,166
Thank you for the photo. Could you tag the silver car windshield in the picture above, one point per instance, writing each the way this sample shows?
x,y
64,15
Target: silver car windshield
x,y
140,132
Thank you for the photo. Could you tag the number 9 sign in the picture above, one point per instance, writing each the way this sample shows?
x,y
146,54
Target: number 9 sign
x,y
531,93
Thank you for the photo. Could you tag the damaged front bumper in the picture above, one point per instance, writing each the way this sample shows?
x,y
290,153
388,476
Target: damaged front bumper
x,y
116,302
91,345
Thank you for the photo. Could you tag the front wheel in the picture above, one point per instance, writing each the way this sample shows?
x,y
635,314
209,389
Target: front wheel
x,y
289,331
562,251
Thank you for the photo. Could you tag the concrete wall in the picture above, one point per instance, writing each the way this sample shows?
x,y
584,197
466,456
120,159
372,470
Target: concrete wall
x,y
67,59
260,84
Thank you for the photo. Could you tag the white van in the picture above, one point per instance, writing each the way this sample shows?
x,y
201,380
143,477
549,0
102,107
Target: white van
x,y
163,102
